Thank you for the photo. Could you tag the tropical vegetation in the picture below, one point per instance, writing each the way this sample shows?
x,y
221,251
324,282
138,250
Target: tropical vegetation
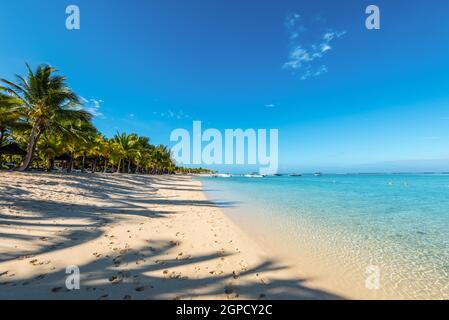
x,y
40,113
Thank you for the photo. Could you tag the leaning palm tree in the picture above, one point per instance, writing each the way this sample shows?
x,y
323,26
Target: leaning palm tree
x,y
48,104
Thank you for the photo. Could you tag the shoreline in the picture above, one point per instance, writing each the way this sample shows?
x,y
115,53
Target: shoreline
x,y
132,237
332,261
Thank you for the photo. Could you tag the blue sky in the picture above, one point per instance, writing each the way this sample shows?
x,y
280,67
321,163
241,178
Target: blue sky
x,y
344,98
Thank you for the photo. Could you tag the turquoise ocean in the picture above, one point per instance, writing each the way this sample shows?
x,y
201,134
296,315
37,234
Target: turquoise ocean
x,y
342,225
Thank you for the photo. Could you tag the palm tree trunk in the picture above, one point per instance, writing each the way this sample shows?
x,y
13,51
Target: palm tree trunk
x,y
2,135
94,166
129,165
34,136
118,166
70,164
105,166
50,163
83,162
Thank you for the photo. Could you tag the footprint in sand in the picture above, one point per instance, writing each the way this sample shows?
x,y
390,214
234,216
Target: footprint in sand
x,y
215,272
139,289
174,243
119,277
35,262
229,289
152,249
172,275
123,251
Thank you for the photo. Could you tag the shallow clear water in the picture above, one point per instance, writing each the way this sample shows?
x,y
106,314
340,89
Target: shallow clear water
x,y
398,223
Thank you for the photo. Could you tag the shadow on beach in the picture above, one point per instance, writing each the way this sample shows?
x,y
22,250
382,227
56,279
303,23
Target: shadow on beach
x,y
126,274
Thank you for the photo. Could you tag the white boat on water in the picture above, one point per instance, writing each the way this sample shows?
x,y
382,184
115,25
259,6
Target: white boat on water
x,y
254,175
318,174
222,175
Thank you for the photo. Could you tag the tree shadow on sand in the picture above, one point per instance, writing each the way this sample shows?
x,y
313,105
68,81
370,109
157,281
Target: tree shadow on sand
x,y
130,195
147,273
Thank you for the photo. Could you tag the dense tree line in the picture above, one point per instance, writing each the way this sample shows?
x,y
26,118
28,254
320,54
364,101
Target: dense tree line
x,y
41,114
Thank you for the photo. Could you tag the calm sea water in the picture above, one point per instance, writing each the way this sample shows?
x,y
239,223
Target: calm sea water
x,y
397,223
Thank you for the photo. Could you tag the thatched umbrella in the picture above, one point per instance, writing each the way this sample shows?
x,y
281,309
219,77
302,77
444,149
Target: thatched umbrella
x,y
11,149
63,157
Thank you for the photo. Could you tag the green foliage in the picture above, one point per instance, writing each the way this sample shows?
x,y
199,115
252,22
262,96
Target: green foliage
x,y
41,113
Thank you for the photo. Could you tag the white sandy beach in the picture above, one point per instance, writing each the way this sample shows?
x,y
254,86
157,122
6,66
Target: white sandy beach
x,y
132,237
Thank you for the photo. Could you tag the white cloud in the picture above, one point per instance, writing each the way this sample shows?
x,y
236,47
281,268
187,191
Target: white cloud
x,y
271,105
93,106
309,73
292,20
303,57
170,114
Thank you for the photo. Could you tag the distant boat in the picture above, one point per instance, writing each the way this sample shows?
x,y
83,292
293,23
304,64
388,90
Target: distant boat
x,y
222,175
255,175
295,175
318,174
277,175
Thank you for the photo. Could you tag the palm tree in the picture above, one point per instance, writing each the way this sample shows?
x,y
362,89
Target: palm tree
x,y
143,152
96,149
162,161
75,137
50,146
10,119
10,115
48,103
106,151
126,147
85,142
